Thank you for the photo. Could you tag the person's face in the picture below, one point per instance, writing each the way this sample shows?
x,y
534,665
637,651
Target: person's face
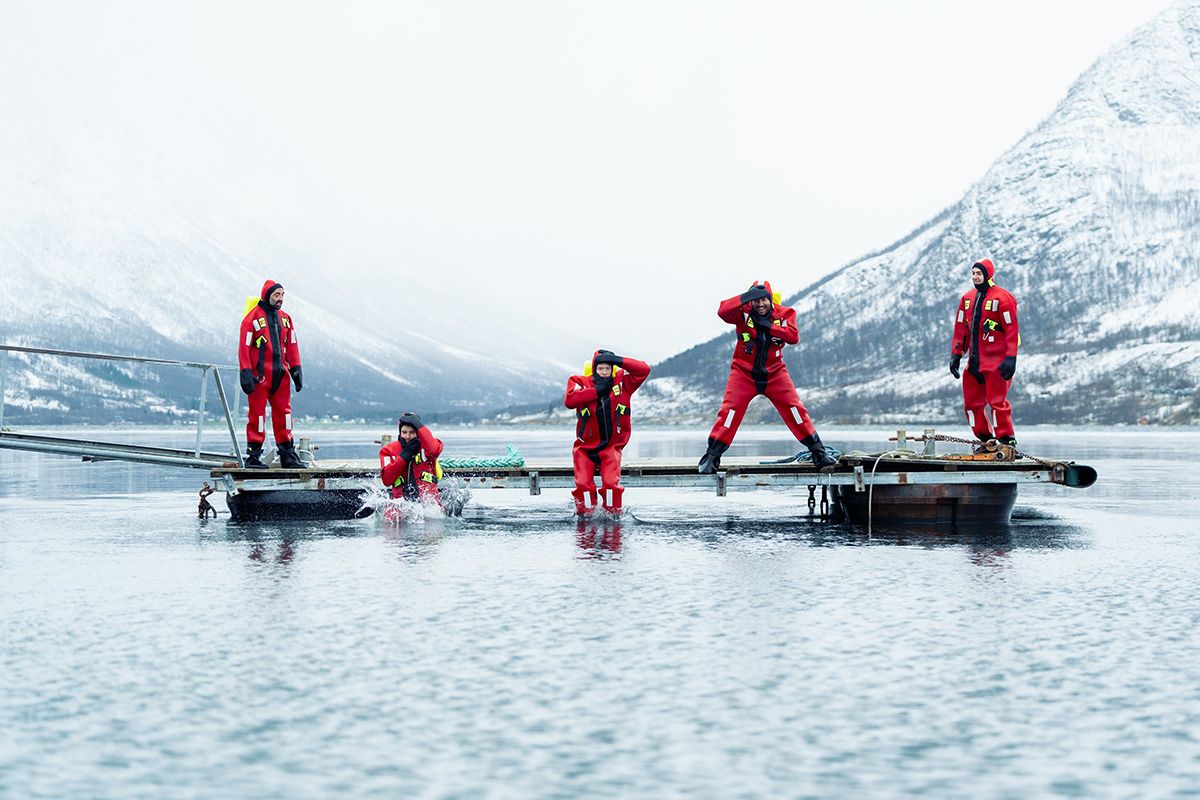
x,y
408,433
761,306
604,370
977,276
276,298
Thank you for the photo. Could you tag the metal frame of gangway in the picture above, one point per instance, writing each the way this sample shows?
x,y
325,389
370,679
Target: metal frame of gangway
x,y
113,451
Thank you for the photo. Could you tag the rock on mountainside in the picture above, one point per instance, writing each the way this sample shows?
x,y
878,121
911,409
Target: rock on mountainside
x,y
1093,221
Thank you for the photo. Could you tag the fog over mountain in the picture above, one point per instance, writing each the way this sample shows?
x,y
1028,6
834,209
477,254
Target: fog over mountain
x,y
1093,221
122,233
112,247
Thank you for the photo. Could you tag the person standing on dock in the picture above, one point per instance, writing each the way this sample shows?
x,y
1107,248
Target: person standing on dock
x,y
985,326
409,466
763,328
600,398
269,363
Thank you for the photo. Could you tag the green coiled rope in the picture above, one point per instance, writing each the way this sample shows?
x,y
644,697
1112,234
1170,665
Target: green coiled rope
x,y
511,458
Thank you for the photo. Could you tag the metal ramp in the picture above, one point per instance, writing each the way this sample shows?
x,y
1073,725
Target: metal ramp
x,y
112,451
117,451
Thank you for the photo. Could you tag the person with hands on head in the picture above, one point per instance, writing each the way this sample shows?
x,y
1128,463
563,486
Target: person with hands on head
x,y
986,331
600,398
409,466
269,363
763,328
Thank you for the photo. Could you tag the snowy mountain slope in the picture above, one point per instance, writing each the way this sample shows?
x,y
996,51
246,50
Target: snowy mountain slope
x,y
1093,220
109,246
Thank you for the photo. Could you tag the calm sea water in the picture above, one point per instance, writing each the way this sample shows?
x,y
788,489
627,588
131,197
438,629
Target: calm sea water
x,y
706,647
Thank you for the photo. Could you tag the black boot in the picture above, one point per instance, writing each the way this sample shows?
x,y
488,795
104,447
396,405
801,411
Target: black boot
x,y
820,456
254,457
288,457
711,462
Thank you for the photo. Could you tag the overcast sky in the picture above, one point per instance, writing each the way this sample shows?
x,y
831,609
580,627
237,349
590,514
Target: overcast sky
x,y
616,167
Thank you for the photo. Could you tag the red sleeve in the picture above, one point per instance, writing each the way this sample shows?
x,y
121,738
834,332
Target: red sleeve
x,y
786,331
1012,330
578,393
245,339
391,465
732,310
959,341
293,349
636,373
430,444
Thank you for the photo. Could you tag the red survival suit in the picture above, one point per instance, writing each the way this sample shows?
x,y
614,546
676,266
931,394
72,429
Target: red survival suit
x,y
267,347
602,429
985,325
758,368
415,478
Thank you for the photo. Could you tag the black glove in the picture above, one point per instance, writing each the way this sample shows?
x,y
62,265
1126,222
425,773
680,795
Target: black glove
x,y
410,448
409,418
603,385
755,292
1008,367
297,377
955,360
246,376
608,357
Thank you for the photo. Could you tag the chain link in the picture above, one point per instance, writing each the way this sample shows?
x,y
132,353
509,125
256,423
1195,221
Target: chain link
x,y
941,437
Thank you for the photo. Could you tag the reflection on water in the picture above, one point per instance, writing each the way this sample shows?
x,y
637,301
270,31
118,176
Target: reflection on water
x,y
598,537
697,646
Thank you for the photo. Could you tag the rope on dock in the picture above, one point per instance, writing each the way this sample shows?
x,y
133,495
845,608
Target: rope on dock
x,y
511,458
803,456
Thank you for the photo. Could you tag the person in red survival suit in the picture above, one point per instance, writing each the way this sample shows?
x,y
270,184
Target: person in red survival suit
x,y
269,362
763,328
600,398
985,325
409,465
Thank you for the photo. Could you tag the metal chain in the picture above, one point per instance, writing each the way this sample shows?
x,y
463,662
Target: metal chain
x,y
941,437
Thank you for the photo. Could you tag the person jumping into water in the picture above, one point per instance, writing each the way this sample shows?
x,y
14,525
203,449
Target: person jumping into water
x,y
763,328
409,466
600,398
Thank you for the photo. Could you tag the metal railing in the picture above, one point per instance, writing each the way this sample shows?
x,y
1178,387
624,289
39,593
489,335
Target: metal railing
x,y
115,451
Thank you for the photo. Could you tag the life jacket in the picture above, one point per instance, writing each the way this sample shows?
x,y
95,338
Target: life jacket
x,y
758,352
604,420
985,323
425,471
267,343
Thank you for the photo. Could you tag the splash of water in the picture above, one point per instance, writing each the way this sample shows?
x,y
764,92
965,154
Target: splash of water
x,y
454,494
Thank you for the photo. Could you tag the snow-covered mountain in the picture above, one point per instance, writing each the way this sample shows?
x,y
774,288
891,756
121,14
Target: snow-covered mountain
x,y
1093,221
162,283
112,245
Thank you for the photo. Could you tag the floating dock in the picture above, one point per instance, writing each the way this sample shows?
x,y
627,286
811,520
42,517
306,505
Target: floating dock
x,y
896,488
